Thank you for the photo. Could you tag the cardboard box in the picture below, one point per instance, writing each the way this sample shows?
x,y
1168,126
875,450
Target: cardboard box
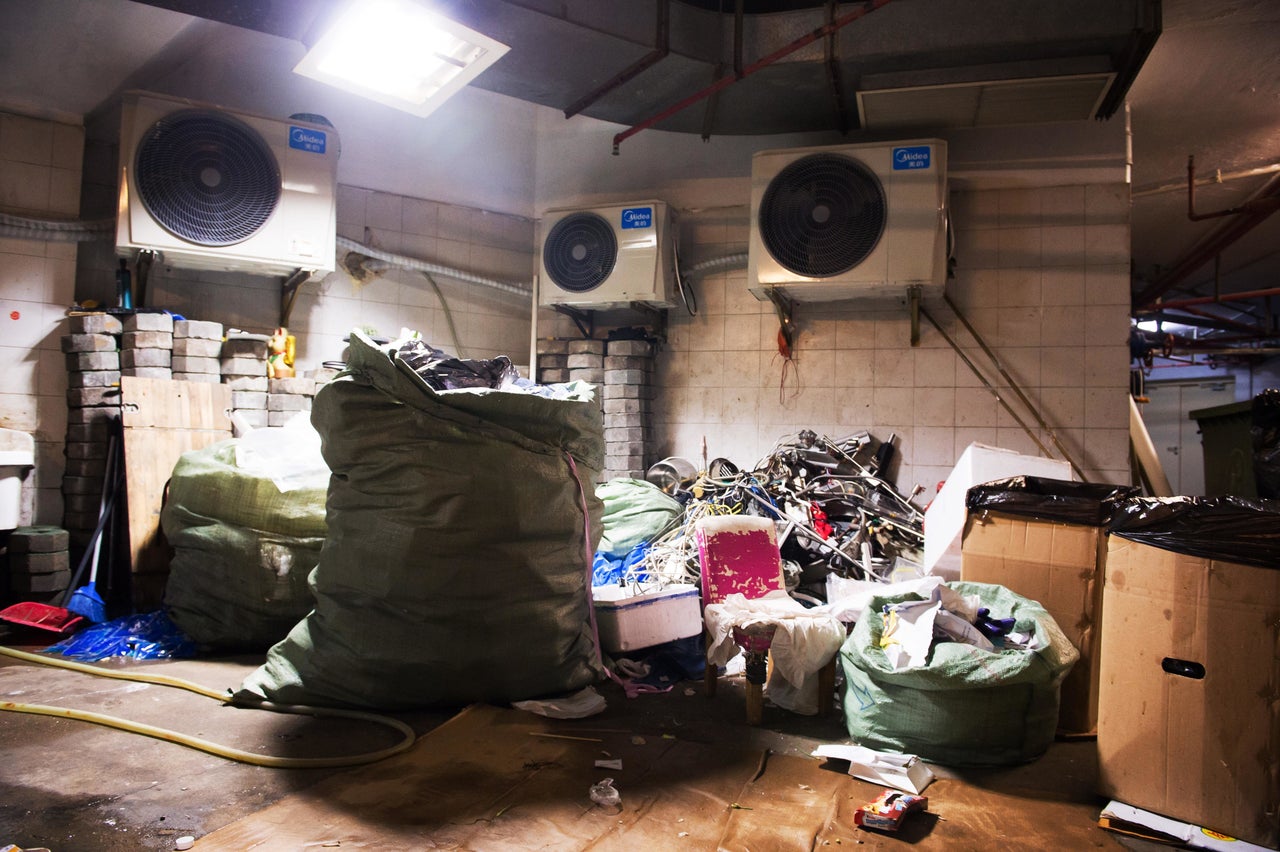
x,y
945,517
1188,724
627,620
1059,565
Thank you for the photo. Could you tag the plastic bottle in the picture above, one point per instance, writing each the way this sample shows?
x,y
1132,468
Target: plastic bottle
x,y
124,286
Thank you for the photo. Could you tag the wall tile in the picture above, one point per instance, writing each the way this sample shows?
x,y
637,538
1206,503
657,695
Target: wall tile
x,y
26,140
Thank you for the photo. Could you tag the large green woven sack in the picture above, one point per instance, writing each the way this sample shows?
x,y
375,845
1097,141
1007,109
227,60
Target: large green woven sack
x,y
461,528
242,550
634,511
966,706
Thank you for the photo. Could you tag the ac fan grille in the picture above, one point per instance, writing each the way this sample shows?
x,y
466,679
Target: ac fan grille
x,y
207,177
579,252
822,215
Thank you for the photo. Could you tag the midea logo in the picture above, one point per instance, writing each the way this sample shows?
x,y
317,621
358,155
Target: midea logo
x,y
306,137
911,155
636,216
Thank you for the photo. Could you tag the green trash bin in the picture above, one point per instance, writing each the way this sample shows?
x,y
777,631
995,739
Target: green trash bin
x,y
1225,435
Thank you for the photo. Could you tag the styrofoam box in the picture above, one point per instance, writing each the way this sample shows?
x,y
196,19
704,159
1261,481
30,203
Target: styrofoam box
x,y
628,620
945,517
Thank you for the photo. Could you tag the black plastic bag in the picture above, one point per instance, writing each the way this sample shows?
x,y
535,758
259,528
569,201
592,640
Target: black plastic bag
x,y
1085,503
1232,529
1265,431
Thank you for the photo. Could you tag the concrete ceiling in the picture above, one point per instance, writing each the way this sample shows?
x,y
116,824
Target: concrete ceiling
x,y
1209,87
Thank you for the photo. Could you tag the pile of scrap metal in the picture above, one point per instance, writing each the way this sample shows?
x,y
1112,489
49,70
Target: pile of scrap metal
x,y
835,512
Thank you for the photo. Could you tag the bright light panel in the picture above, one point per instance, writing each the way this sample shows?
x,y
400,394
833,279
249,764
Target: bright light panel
x,y
399,53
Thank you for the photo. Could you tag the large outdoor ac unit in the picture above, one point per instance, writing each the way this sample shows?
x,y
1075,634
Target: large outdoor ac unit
x,y
849,221
608,257
212,189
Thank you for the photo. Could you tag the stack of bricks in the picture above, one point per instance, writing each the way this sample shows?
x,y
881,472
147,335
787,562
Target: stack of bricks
x,y
39,563
622,381
553,361
625,395
244,370
197,346
146,347
286,397
93,401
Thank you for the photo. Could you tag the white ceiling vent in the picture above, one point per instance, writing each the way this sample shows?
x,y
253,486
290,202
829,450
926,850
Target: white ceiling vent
x,y
984,104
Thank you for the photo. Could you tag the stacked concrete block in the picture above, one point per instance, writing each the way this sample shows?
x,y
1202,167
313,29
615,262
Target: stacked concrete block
x,y
197,351
586,361
93,401
286,397
146,346
39,563
244,369
625,398
553,362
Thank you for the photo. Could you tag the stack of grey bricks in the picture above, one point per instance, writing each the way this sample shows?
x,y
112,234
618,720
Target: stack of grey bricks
x,y
39,563
621,371
288,396
93,355
197,347
625,396
553,361
244,370
146,347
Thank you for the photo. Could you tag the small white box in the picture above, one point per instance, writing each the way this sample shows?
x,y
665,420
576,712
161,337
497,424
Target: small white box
x,y
945,517
628,620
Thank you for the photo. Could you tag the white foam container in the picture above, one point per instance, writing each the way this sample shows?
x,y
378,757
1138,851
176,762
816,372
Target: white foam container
x,y
945,517
17,456
627,620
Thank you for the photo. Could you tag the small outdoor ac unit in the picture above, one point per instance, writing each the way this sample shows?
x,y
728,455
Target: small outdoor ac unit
x,y
849,221
608,257
212,189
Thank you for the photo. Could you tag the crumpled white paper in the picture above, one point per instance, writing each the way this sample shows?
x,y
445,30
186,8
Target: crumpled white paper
x,y
575,705
805,641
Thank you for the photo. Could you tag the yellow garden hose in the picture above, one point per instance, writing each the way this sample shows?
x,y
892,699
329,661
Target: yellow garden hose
x,y
408,736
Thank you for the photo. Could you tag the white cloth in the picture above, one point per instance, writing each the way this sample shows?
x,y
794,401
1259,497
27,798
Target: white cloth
x,y
805,641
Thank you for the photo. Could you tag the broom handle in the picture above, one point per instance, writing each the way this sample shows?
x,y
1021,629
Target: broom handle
x,y
108,486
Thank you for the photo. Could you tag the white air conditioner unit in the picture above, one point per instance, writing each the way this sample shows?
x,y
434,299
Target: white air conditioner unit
x,y
212,189
849,221
608,257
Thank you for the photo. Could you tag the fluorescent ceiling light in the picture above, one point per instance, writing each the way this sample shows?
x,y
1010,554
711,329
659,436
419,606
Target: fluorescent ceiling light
x,y
399,53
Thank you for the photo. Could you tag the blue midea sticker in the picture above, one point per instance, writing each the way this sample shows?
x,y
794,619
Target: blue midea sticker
x,y
915,157
637,217
306,139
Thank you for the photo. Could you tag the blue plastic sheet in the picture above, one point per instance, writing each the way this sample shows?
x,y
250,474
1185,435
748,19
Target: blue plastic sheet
x,y
608,570
147,636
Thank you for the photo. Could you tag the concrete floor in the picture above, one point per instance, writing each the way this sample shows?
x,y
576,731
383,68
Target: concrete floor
x,y
67,785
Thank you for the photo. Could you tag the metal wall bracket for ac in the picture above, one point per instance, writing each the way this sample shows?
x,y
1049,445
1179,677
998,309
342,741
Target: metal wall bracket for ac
x,y
585,319
289,292
579,317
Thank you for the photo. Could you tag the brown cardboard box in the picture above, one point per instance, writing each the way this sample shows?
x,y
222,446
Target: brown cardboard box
x,y
1060,566
1189,702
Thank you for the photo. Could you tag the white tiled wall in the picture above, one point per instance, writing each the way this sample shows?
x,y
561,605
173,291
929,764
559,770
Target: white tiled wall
x,y
1042,275
489,322
40,163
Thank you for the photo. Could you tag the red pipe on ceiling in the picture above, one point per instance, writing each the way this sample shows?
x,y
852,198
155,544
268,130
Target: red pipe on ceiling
x,y
1225,297
729,79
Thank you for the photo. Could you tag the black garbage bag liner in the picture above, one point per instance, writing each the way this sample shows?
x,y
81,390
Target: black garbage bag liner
x,y
1085,503
1229,528
1265,431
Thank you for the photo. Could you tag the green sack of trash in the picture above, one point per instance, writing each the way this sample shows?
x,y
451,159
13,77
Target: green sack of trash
x,y
965,706
634,511
461,528
242,549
